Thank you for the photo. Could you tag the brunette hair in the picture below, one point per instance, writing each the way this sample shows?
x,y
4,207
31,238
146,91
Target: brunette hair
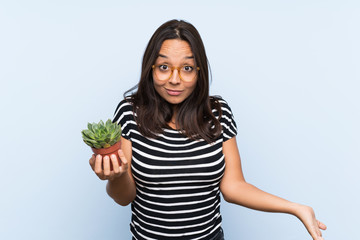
x,y
195,118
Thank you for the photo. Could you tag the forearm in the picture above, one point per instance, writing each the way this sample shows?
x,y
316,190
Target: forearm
x,y
247,195
121,189
236,190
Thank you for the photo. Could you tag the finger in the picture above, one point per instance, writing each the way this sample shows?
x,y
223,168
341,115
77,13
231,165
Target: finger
x,y
98,163
92,161
124,161
122,157
314,231
115,163
318,233
106,163
321,225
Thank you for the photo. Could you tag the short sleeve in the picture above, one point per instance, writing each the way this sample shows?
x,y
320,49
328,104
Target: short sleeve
x,y
125,117
227,121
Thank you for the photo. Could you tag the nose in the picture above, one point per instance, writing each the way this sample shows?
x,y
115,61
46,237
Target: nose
x,y
175,78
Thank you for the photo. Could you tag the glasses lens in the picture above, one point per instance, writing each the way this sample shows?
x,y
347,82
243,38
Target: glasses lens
x,y
188,73
164,72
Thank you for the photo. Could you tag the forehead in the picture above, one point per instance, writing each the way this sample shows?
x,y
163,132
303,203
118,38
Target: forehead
x,y
175,48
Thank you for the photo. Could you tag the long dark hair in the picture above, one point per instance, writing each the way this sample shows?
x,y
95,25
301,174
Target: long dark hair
x,y
194,118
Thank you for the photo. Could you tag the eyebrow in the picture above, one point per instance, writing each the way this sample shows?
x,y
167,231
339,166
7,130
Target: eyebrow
x,y
188,57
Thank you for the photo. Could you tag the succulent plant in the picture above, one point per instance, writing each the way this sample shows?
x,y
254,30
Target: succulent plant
x,y
100,135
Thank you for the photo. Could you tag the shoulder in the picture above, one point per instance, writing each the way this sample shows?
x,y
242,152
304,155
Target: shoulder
x,y
124,116
124,111
220,106
223,113
125,107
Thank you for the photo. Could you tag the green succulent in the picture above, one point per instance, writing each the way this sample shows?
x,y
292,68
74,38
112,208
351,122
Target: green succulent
x,y
100,135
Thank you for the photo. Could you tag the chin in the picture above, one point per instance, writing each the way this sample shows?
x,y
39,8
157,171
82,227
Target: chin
x,y
174,101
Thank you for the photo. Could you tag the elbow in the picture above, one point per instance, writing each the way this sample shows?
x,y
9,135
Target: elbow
x,y
122,203
228,198
233,192
226,194
121,199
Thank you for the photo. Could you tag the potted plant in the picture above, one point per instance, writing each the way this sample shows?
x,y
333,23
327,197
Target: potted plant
x,y
103,138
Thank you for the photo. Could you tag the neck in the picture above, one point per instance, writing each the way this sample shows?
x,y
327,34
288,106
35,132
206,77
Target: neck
x,y
172,122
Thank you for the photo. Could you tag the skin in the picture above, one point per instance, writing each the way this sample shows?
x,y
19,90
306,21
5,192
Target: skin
x,y
175,53
234,188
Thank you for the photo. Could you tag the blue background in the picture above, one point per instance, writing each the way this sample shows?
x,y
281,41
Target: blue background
x,y
290,71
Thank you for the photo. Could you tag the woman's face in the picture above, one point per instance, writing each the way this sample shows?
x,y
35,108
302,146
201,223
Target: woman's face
x,y
174,53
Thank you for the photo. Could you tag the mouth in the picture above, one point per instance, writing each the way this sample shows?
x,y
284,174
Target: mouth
x,y
173,92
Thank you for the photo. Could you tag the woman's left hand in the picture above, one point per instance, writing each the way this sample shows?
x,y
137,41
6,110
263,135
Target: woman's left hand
x,y
307,216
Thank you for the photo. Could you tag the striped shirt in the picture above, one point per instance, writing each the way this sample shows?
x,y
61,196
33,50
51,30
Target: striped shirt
x,y
177,179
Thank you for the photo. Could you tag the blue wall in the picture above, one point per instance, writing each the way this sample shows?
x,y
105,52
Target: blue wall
x,y
290,70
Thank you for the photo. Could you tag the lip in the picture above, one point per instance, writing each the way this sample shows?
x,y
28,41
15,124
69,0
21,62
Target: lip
x,y
173,92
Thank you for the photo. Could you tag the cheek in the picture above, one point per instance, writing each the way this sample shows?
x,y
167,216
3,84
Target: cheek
x,y
157,83
158,86
191,87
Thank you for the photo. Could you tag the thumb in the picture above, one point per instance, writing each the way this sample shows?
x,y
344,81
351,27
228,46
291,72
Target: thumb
x,y
321,225
124,161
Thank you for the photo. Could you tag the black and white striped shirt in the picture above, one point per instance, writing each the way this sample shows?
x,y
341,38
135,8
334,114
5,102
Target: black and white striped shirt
x,y
177,180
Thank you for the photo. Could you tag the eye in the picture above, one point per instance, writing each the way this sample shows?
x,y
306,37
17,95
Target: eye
x,y
188,68
163,67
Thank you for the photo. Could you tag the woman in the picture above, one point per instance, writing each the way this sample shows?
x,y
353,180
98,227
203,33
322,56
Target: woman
x,y
179,148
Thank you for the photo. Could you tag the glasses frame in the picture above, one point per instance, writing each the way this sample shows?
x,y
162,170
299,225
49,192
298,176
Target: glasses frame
x,y
172,71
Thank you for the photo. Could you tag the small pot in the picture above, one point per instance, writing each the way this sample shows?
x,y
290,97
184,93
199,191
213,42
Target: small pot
x,y
108,151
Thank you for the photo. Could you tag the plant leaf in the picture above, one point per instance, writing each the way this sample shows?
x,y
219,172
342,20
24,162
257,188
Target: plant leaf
x,y
90,127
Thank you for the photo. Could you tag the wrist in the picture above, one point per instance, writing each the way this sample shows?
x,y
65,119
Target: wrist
x,y
119,178
295,208
299,209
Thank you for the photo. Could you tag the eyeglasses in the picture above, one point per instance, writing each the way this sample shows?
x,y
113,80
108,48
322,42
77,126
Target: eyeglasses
x,y
164,72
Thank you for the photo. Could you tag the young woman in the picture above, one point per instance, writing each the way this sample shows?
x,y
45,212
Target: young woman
x,y
179,148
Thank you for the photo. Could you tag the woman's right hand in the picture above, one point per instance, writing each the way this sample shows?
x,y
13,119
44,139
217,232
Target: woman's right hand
x,y
101,166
